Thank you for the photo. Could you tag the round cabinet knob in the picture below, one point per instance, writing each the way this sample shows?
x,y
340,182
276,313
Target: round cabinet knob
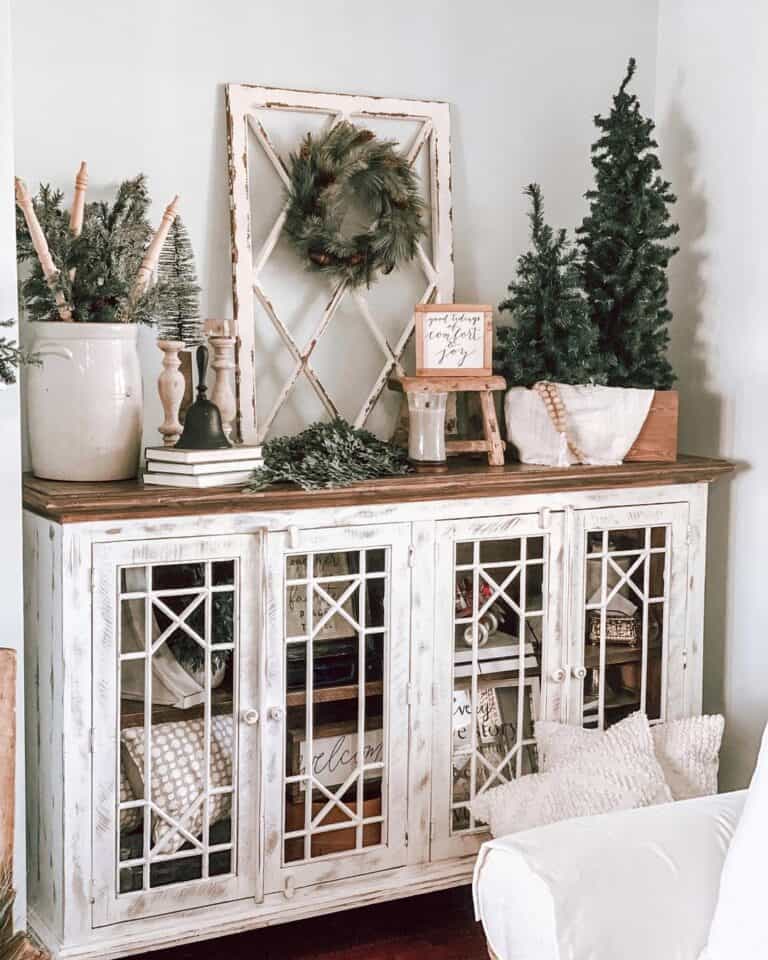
x,y
275,713
251,717
579,672
558,675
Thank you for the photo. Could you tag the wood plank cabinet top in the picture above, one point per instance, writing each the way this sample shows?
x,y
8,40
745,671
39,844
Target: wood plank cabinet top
x,y
126,499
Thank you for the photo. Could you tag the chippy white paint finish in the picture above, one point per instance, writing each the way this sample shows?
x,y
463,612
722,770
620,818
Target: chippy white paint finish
x,y
545,524
675,654
392,852
246,106
71,685
108,907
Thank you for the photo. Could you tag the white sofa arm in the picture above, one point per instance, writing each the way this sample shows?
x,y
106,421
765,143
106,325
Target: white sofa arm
x,y
634,885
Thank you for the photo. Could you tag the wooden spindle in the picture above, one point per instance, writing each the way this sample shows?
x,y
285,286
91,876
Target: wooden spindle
x,y
152,252
24,200
78,203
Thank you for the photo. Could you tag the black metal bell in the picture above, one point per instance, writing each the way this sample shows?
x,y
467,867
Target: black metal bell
x,y
202,424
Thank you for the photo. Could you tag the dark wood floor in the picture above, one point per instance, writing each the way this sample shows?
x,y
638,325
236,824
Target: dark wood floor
x,y
437,926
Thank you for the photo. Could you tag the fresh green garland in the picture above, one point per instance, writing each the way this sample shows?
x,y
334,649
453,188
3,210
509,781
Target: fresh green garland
x,y
328,172
333,454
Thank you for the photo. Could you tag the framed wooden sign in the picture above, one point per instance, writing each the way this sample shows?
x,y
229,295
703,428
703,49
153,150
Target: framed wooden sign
x,y
453,339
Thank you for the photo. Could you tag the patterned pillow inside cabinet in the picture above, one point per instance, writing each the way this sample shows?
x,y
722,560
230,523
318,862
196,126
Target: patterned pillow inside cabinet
x,y
178,758
129,819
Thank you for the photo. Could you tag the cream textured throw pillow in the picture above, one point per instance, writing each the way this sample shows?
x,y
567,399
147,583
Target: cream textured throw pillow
x,y
688,750
616,771
689,753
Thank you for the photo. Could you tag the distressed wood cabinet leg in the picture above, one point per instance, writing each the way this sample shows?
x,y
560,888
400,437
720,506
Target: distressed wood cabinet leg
x,y
491,429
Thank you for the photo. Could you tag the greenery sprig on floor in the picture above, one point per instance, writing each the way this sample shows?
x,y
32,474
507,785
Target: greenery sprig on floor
x,y
334,454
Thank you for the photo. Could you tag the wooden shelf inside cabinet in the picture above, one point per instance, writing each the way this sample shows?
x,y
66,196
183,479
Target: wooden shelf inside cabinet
x,y
616,653
622,700
132,711
347,691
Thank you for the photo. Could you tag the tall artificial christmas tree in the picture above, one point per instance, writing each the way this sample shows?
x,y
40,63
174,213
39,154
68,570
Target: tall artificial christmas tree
x,y
623,243
553,337
178,293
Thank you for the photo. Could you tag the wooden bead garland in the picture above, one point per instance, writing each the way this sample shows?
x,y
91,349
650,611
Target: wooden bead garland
x,y
550,396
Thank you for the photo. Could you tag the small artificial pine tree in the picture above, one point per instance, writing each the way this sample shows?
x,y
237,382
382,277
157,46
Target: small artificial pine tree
x,y
178,293
625,256
554,337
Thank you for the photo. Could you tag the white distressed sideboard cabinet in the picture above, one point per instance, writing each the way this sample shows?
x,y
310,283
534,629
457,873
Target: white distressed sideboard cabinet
x,y
243,709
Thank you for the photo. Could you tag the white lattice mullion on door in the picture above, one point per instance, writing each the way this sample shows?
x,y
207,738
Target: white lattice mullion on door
x,y
243,103
523,621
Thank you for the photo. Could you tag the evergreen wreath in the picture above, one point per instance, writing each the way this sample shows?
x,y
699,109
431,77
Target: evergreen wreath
x,y
348,163
334,454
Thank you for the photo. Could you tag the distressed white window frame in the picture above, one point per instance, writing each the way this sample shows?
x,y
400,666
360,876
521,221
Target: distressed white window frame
x,y
244,104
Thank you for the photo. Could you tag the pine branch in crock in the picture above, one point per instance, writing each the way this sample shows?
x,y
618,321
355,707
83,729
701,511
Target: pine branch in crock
x,y
554,337
624,242
94,270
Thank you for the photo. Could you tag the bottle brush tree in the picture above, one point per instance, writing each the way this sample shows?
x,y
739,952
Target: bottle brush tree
x,y
178,292
553,336
624,244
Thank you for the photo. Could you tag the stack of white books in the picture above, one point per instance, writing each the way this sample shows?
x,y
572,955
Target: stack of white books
x,y
232,466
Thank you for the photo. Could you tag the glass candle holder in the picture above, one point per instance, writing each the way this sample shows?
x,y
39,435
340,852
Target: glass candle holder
x,y
426,429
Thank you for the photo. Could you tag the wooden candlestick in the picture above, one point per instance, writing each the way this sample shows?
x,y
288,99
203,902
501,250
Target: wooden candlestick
x,y
78,203
24,200
170,386
223,394
152,253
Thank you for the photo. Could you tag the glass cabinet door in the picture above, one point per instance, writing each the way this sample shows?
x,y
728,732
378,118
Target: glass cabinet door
x,y
629,619
498,662
174,771
337,726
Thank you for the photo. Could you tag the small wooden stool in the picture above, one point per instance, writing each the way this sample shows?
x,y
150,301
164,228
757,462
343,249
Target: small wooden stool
x,y
484,387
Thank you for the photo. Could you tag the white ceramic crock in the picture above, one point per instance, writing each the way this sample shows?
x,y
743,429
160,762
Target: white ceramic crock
x,y
84,403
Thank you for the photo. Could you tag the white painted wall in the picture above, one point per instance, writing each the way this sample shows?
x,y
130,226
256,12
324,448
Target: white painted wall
x,y
713,127
138,86
11,633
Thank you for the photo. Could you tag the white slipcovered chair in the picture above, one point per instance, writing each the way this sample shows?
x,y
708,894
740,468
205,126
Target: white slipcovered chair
x,y
678,881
